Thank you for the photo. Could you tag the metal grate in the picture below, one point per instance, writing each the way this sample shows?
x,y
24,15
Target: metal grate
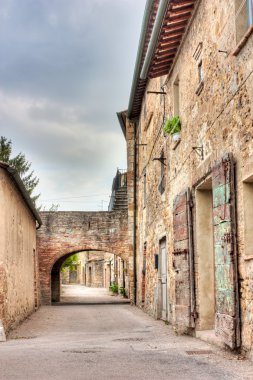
x,y
199,352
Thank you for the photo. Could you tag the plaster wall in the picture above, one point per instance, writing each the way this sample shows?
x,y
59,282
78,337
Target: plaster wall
x,y
17,255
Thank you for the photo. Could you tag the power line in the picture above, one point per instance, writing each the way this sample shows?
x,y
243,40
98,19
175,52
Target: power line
x,y
80,196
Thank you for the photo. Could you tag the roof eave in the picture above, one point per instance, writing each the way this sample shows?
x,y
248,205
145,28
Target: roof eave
x,y
138,63
19,183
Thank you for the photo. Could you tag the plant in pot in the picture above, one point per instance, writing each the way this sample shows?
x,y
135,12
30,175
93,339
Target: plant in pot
x,y
172,126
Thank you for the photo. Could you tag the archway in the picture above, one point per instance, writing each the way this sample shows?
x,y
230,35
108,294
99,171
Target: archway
x,y
66,233
96,269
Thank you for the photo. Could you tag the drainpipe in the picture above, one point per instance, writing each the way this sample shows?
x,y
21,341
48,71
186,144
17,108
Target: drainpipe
x,y
250,12
135,214
163,6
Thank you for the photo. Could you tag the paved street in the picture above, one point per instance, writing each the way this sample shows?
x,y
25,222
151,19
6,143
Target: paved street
x,y
110,341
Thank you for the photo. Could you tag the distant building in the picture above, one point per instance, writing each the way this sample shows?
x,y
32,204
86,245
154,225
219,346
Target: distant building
x,y
97,269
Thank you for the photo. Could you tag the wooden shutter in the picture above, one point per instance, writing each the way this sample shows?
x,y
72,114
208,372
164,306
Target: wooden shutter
x,y
226,277
183,262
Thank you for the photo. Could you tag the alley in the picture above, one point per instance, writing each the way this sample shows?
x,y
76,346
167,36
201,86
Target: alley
x,y
79,294
110,341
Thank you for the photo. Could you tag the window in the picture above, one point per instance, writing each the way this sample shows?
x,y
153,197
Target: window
x,y
161,186
198,58
176,105
144,188
200,72
248,216
243,17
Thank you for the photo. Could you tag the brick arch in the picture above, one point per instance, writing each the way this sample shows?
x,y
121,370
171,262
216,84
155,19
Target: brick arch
x,y
65,233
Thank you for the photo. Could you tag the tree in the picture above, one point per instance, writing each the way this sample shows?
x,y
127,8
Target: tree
x,y
21,165
70,262
54,207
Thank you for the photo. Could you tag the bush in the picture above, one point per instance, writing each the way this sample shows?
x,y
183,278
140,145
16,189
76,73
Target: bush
x,y
114,287
122,291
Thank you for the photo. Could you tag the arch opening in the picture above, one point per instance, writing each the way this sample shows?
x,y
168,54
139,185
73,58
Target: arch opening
x,y
90,273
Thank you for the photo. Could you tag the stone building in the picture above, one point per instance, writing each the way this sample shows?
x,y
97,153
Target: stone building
x,y
19,288
192,193
96,269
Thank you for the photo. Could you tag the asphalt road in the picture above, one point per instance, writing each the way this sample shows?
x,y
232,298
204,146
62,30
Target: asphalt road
x,y
96,341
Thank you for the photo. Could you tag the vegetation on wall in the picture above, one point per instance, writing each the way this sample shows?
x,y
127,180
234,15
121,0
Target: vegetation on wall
x,y
172,125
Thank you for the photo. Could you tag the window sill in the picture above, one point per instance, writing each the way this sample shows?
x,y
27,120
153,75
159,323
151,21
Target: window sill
x,y
243,41
200,88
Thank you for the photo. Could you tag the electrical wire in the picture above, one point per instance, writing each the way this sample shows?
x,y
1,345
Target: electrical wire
x,y
80,196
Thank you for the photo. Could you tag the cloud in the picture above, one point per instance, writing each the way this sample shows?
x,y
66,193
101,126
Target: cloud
x,y
66,69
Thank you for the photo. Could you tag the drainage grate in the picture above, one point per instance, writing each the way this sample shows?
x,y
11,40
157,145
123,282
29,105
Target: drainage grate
x,y
23,337
128,340
81,351
200,352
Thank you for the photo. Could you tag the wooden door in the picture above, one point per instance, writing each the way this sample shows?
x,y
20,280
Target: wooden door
x,y
183,262
225,249
163,279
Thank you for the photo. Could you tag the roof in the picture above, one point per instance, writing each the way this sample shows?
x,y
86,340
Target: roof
x,y
122,120
168,22
20,186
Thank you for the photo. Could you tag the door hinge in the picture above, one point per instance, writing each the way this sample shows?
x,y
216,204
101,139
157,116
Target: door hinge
x,y
190,203
195,314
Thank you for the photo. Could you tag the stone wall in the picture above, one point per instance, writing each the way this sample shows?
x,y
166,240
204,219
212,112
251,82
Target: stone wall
x,y
18,281
65,233
216,116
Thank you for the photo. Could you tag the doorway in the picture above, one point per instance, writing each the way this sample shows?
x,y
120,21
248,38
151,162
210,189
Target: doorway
x,y
205,255
163,278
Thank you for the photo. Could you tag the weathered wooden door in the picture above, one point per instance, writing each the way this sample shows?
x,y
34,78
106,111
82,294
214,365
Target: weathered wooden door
x,y
183,262
226,277
163,279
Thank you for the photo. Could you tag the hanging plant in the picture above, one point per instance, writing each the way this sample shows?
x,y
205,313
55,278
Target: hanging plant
x,y
172,125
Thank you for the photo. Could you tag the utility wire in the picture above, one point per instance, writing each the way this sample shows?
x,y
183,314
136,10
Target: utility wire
x,y
80,196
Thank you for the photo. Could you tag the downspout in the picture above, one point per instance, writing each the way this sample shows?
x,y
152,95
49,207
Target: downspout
x,y
135,215
163,6
137,68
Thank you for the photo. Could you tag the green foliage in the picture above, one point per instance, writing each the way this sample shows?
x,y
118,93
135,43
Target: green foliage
x,y
122,291
54,207
21,165
172,125
114,287
70,262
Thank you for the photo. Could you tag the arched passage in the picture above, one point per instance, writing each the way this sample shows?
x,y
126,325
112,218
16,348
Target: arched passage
x,y
65,233
120,278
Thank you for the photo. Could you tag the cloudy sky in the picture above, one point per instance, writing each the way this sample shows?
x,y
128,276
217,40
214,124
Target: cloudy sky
x,y
66,68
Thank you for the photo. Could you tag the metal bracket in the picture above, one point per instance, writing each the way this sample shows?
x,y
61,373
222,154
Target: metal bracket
x,y
199,150
160,160
157,92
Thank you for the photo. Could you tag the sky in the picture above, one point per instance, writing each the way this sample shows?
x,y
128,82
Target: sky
x,y
66,68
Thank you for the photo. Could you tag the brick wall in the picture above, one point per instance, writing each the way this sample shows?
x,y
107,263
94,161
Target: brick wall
x,y
64,233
